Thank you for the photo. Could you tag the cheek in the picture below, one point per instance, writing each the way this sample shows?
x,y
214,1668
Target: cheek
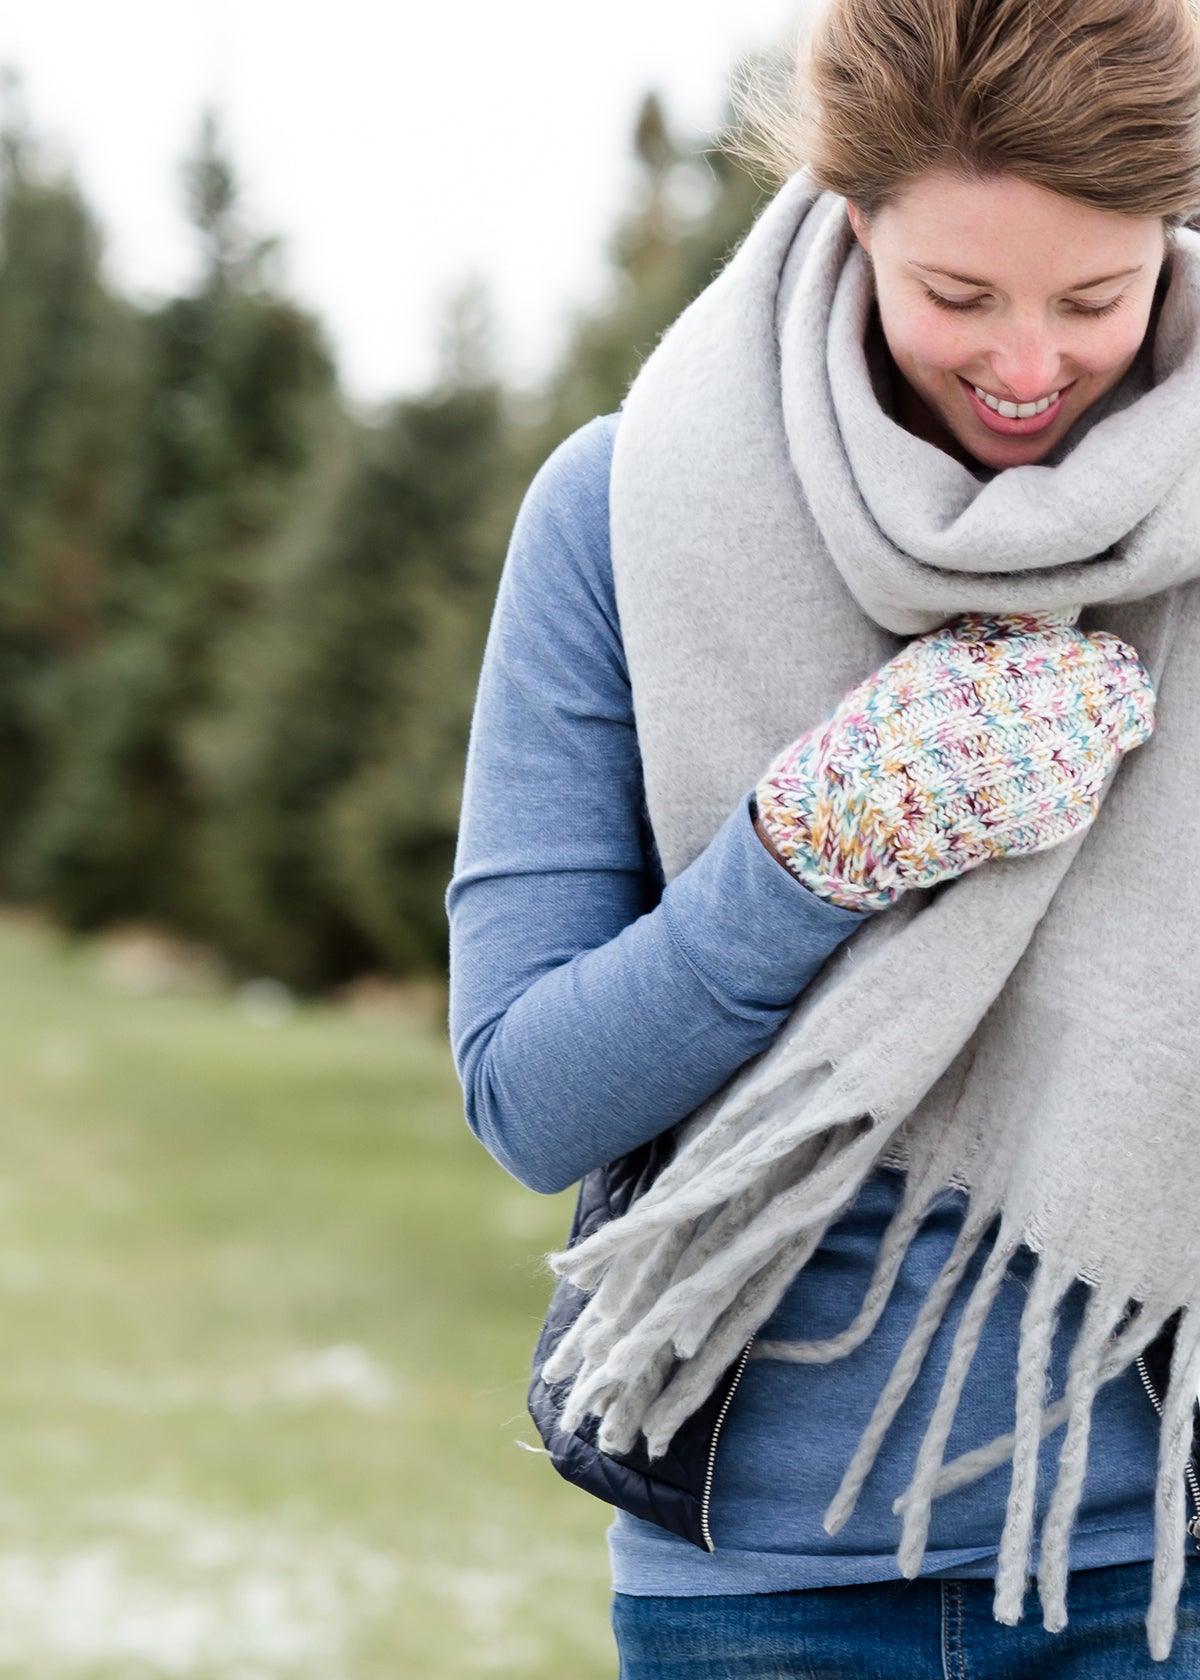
x,y
1108,345
930,338
921,337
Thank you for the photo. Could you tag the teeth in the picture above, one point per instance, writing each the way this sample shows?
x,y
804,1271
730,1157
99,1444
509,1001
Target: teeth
x,y
1016,411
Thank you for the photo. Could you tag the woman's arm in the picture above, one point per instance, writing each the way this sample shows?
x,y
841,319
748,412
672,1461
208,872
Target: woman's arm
x,y
588,1014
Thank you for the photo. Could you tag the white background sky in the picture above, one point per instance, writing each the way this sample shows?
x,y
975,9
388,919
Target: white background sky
x,y
397,147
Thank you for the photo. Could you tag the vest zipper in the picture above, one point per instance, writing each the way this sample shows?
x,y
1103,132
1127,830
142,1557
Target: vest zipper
x,y
716,1436
1193,1526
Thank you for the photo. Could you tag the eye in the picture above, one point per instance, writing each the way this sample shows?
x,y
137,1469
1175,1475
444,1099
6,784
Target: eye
x,y
951,303
1096,309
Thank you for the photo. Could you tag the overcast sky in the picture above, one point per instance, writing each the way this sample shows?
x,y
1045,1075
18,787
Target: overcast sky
x,y
397,148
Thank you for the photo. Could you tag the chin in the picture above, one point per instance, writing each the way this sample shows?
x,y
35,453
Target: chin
x,y
998,453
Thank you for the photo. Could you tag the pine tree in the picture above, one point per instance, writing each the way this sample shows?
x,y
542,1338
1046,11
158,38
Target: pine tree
x,y
334,810
241,631
68,390
236,394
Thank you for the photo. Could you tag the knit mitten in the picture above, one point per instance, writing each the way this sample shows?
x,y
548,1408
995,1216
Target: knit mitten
x,y
991,736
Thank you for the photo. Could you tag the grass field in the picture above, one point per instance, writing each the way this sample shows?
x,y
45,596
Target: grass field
x,y
267,1310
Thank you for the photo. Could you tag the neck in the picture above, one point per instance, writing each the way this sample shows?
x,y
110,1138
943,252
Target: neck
x,y
916,416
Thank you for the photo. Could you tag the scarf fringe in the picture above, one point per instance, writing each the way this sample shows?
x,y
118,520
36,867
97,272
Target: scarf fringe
x,y
708,1173
908,1365
645,1357
1109,1340
696,1378
1050,1284
628,1291
1169,1502
915,1531
729,1269
1084,1376
902,1228
1124,1348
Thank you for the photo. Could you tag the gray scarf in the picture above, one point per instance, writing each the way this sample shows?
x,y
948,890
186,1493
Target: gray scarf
x,y
1026,1033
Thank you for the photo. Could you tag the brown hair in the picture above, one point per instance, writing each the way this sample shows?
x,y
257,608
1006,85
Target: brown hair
x,y
1095,99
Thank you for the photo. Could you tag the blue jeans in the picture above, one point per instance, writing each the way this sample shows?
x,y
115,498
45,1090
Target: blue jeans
x,y
906,1630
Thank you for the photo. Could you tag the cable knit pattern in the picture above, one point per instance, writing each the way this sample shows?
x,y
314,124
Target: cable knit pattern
x,y
990,736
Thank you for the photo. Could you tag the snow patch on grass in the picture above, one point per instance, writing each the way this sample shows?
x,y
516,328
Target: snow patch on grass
x,y
149,1587
518,1610
175,1590
491,1608
343,1374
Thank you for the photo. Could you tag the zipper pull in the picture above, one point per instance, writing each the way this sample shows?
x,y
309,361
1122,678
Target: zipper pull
x,y
1193,1529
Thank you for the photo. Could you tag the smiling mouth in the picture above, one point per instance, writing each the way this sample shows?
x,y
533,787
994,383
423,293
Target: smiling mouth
x,y
1012,410
1012,419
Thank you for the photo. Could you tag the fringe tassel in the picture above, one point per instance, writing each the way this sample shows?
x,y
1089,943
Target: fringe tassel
x,y
793,1211
746,1129
721,1162
1083,1380
631,1400
1122,1351
684,1383
609,1388
918,1496
627,1288
589,1339
706,1173
721,1288
732,1237
1050,1283
695,1380
908,1364
1169,1500
896,1240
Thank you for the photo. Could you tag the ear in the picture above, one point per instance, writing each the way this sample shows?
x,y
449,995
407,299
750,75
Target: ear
x,y
862,228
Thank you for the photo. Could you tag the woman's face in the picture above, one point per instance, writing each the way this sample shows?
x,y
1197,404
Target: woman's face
x,y
1007,308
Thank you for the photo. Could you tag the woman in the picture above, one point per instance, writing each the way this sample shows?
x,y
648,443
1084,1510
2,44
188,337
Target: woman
x,y
820,657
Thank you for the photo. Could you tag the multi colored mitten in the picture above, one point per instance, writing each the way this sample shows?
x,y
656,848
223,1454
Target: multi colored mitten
x,y
991,736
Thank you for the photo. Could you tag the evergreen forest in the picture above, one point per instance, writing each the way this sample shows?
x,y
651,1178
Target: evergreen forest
x,y
240,624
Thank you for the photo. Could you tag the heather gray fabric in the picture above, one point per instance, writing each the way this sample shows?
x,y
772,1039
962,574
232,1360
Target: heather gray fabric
x,y
1026,1033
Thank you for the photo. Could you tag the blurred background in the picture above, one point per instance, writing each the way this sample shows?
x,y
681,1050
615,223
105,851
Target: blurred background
x,y
293,302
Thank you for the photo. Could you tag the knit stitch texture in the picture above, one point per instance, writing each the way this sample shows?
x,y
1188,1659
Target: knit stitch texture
x,y
989,737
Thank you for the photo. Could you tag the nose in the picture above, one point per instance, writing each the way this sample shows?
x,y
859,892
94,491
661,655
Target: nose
x,y
1026,362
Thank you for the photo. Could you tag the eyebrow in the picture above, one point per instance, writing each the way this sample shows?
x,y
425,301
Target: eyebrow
x,y
986,285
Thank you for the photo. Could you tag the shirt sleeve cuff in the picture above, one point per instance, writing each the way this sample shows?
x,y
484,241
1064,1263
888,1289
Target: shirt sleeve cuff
x,y
751,930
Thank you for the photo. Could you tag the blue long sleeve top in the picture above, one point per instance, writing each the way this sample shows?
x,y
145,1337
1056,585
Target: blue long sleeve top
x,y
592,1008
